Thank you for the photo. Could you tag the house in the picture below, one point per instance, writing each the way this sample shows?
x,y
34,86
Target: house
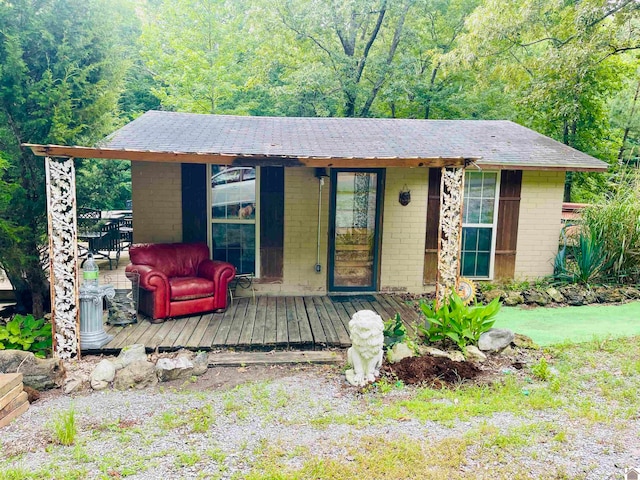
x,y
317,205
308,233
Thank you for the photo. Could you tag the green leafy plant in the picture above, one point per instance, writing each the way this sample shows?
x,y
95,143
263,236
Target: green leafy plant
x,y
541,370
394,331
588,261
24,332
457,322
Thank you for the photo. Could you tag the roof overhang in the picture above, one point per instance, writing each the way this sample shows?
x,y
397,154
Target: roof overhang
x,y
243,160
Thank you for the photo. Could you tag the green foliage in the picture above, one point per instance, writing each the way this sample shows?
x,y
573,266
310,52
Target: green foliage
x,y
28,334
64,427
541,370
588,262
613,223
458,322
394,331
61,71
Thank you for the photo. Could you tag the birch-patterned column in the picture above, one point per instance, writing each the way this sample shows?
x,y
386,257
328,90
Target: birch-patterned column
x,y
63,256
449,231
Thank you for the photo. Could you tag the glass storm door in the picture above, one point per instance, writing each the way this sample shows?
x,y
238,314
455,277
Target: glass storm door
x,y
353,232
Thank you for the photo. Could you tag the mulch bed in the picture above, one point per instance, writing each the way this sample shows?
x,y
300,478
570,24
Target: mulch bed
x,y
436,371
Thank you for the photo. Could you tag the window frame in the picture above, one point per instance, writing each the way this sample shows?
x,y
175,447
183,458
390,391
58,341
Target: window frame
x,y
242,221
493,225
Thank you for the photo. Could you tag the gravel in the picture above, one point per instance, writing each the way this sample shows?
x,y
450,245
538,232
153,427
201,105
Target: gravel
x,y
150,434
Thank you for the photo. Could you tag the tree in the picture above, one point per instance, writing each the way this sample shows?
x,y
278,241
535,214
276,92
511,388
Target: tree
x,y
61,69
562,60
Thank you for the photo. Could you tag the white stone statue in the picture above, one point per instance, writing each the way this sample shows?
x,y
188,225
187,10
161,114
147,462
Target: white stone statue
x,y
365,354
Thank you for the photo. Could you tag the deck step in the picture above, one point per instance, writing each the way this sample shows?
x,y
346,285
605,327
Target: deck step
x,y
228,359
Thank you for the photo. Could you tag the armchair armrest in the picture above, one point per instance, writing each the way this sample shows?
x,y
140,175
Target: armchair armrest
x,y
150,278
157,284
220,273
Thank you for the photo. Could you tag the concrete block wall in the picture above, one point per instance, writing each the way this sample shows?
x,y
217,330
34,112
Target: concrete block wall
x,y
157,202
403,231
539,223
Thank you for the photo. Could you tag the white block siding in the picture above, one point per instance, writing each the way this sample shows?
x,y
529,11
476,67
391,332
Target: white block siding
x,y
539,224
157,202
403,231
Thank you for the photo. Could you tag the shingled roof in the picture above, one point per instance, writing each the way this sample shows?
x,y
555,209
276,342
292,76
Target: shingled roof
x,y
497,142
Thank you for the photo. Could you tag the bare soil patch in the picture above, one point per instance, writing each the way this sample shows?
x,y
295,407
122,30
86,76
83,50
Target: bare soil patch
x,y
437,371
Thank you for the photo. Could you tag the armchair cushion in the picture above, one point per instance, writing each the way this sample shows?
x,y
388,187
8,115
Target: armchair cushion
x,y
189,288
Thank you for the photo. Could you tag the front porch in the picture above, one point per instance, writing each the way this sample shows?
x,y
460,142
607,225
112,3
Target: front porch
x,y
309,323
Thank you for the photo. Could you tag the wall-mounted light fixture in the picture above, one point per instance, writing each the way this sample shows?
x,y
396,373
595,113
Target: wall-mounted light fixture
x,y
405,196
321,172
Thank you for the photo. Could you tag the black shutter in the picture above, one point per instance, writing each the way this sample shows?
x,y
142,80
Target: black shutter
x,y
194,202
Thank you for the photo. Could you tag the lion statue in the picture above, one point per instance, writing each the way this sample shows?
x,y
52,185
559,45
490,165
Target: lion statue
x,y
365,354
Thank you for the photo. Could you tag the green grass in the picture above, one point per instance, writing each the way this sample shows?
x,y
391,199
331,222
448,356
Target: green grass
x,y
64,427
483,431
548,326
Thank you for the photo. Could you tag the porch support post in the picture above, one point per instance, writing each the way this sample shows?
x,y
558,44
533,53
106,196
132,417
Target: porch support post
x,y
449,232
63,256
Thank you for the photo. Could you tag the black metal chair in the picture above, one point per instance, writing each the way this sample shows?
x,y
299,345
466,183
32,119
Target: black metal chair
x,y
101,236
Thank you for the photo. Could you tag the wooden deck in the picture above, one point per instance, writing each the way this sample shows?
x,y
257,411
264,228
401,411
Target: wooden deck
x,y
303,323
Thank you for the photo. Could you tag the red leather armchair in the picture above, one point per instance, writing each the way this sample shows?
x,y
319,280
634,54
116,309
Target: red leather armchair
x,y
179,279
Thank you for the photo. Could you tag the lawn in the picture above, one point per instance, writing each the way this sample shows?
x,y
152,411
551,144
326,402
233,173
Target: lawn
x,y
572,415
547,326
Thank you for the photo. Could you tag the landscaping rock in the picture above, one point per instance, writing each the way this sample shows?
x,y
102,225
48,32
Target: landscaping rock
x,y
456,356
139,374
522,341
433,352
630,293
554,294
535,297
102,375
513,298
37,373
200,361
573,294
398,352
589,296
75,383
169,369
474,355
491,295
495,339
130,354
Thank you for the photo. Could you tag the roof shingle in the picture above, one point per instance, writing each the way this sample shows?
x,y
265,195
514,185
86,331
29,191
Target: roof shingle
x,y
497,142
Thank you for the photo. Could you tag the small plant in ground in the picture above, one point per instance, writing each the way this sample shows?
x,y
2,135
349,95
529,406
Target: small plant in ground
x,y
24,332
541,370
395,331
64,428
457,322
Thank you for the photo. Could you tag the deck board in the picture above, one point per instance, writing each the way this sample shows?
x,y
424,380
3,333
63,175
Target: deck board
x,y
298,323
248,324
270,325
293,328
282,335
319,337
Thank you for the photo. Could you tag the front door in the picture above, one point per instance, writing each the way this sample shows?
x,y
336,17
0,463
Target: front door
x,y
354,235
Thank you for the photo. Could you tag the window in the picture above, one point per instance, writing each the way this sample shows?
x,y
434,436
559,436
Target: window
x,y
233,216
479,223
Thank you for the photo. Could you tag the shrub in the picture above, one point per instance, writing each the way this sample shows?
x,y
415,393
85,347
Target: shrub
x,y
614,223
458,322
23,332
589,261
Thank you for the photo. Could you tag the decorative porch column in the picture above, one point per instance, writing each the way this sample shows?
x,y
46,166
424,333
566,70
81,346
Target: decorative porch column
x,y
63,256
449,232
